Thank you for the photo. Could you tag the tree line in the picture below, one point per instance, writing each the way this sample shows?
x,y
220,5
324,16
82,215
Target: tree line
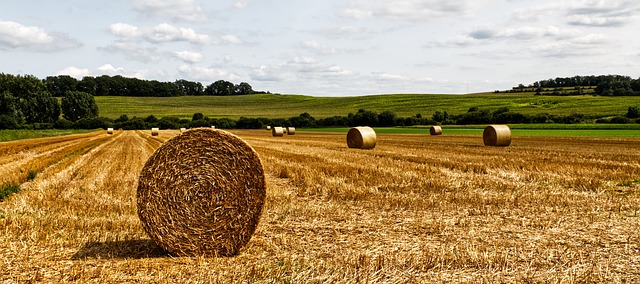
x,y
603,85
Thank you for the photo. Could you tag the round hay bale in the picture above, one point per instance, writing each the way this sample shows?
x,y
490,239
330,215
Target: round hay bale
x,y
182,129
497,135
268,127
109,130
361,137
201,193
155,131
213,127
435,130
277,131
291,131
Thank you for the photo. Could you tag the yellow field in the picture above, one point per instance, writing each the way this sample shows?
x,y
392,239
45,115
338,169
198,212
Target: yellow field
x,y
416,209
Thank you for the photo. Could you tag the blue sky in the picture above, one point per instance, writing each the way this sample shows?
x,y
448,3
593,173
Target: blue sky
x,y
324,48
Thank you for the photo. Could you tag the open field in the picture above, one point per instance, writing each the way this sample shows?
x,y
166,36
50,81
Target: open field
x,y
564,130
8,135
285,106
416,209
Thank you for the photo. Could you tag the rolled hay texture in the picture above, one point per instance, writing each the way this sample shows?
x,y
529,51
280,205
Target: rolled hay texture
x,y
497,135
109,130
277,131
435,130
361,137
155,131
201,193
291,131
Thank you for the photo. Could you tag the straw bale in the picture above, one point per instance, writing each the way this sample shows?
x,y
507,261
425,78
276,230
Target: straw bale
x,y
497,135
268,127
201,193
435,130
155,131
213,127
182,129
361,137
109,130
291,131
277,131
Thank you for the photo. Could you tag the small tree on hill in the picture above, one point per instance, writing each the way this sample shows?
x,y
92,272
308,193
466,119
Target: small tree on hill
x,y
77,105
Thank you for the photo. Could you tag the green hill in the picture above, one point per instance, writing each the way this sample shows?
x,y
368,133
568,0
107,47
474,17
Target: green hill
x,y
404,105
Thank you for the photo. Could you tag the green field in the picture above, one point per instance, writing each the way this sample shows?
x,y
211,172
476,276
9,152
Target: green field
x,y
9,135
285,106
565,130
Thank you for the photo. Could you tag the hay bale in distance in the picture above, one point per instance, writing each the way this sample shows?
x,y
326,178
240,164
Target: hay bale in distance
x,y
110,130
182,129
361,137
155,131
201,193
497,135
277,131
268,127
435,130
291,131
213,127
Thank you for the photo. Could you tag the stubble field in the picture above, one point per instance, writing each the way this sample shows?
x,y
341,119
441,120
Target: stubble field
x,y
416,209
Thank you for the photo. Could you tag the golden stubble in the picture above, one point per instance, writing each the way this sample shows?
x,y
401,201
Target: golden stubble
x,y
415,209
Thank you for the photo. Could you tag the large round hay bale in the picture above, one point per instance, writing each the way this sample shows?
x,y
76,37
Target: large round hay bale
x,y
291,131
277,131
435,130
201,193
361,137
110,130
268,127
497,135
155,131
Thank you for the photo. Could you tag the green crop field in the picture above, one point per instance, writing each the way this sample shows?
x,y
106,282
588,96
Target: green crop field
x,y
9,135
285,106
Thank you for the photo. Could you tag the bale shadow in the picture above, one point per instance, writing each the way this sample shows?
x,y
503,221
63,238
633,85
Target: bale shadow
x,y
131,249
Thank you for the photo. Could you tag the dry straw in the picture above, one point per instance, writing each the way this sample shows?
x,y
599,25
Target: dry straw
x,y
435,130
277,131
361,137
291,131
497,135
155,131
201,193
109,130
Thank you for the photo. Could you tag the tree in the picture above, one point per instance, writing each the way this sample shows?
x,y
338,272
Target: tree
x,y
59,85
197,116
633,112
387,118
363,118
10,114
77,105
220,88
243,89
40,107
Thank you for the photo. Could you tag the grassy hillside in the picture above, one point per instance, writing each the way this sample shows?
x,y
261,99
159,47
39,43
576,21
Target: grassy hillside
x,y
284,106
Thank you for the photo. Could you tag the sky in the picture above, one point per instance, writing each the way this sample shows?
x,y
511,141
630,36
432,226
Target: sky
x,y
324,48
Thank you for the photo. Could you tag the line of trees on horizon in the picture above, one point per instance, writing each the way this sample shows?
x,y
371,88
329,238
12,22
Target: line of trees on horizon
x,y
603,85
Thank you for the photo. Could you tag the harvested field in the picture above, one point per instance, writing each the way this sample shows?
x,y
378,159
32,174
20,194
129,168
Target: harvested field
x,y
416,209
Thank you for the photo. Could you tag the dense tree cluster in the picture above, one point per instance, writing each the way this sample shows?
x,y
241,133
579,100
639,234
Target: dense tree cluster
x,y
122,86
605,85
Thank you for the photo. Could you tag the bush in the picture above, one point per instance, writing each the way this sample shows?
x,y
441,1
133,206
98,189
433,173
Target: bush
x,y
8,122
93,123
619,120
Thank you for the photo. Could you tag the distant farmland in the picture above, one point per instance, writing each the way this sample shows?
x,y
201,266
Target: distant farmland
x,y
285,106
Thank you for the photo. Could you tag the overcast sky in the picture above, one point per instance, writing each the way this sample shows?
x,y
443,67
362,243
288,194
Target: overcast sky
x,y
324,47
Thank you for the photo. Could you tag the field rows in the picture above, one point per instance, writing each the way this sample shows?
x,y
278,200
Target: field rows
x,y
415,209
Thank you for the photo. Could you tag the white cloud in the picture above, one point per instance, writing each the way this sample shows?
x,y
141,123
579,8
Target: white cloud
x,y
390,77
315,47
124,30
601,13
108,69
209,74
136,53
189,56
408,10
177,10
341,32
74,72
230,39
240,4
266,73
168,33
17,36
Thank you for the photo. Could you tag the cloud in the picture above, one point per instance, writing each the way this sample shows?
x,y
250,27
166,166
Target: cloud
x,y
341,32
316,47
209,74
108,69
17,36
164,33
407,10
74,72
266,73
599,13
135,53
189,56
176,10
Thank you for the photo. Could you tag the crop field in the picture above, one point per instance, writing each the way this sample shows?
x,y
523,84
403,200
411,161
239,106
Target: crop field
x,y
416,209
